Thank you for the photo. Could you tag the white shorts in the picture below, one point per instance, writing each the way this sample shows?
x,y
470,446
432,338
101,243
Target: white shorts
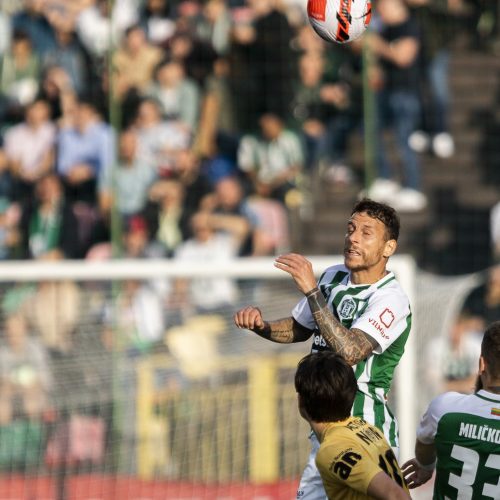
x,y
311,485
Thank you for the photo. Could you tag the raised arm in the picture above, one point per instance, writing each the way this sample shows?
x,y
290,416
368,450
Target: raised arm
x,y
282,331
352,344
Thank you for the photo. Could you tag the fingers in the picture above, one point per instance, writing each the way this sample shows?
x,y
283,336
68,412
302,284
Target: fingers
x,y
249,317
291,260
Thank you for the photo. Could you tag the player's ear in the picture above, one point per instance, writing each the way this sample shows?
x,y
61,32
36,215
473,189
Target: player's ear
x,y
482,365
390,248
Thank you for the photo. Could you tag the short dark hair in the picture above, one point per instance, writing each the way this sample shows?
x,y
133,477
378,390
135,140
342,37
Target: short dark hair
x,y
490,349
326,385
382,212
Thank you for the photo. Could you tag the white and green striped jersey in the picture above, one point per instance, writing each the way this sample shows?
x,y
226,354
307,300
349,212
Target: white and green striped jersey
x,y
465,429
382,311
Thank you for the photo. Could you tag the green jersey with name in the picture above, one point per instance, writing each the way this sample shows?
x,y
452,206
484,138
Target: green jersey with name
x,y
382,311
465,429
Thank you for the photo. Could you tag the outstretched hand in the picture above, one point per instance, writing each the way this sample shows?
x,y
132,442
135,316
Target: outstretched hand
x,y
299,268
249,317
414,475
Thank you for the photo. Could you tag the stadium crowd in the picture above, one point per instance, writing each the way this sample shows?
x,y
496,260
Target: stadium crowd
x,y
157,100
198,124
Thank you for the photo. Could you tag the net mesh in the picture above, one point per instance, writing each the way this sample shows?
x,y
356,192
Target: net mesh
x,y
120,389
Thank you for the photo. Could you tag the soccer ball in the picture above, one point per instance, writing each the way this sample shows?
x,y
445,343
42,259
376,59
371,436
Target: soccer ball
x,y
339,20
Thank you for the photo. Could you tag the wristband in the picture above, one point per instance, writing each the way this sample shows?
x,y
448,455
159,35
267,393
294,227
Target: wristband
x,y
427,467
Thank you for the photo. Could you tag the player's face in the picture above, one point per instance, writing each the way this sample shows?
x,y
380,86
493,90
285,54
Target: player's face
x,y
365,243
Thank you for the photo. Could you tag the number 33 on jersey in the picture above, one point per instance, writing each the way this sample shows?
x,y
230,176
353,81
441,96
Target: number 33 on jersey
x,y
466,432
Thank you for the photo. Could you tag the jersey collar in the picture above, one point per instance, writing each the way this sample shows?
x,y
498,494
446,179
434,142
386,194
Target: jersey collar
x,y
378,284
489,396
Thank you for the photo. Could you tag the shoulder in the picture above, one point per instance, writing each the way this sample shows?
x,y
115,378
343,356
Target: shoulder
x,y
330,272
390,288
447,402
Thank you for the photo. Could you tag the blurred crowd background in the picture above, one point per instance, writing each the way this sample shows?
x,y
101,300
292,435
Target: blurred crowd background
x,y
206,130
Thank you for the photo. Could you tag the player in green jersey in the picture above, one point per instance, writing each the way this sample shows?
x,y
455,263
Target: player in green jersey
x,y
358,310
459,435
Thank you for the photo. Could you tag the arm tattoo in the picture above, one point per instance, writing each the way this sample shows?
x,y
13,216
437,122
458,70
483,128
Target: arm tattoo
x,y
284,331
353,345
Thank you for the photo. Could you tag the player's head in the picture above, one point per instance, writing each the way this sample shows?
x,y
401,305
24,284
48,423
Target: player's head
x,y
372,234
489,363
326,387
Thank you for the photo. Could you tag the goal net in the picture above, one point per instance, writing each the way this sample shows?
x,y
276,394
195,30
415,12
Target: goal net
x,y
128,380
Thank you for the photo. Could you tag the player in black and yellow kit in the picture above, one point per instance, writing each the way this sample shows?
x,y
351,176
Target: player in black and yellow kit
x,y
354,459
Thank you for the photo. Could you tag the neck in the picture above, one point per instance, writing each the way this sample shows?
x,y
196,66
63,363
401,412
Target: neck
x,y
318,429
494,388
367,276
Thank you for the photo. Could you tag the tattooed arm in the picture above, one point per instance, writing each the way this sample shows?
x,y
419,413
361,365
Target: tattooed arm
x,y
353,345
283,331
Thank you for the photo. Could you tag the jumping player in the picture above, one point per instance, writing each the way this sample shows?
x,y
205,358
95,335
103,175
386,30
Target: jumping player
x,y
358,310
462,431
354,459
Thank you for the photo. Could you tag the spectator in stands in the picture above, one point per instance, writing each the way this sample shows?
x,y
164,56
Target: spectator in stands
x,y
228,212
127,184
97,26
85,150
135,317
68,54
273,159
178,95
30,148
482,305
134,63
25,375
159,140
217,130
9,232
20,75
156,18
48,226
57,90
397,47
274,62
439,23
137,242
32,21
214,25
206,295
167,214
452,360
6,178
195,182
317,107
495,232
53,311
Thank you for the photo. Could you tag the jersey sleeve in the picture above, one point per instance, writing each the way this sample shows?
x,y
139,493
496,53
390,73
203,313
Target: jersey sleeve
x,y
426,431
387,316
346,463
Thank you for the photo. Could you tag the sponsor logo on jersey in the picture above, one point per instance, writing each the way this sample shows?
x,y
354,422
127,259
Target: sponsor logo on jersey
x,y
344,466
378,327
496,412
319,344
317,9
386,317
346,308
